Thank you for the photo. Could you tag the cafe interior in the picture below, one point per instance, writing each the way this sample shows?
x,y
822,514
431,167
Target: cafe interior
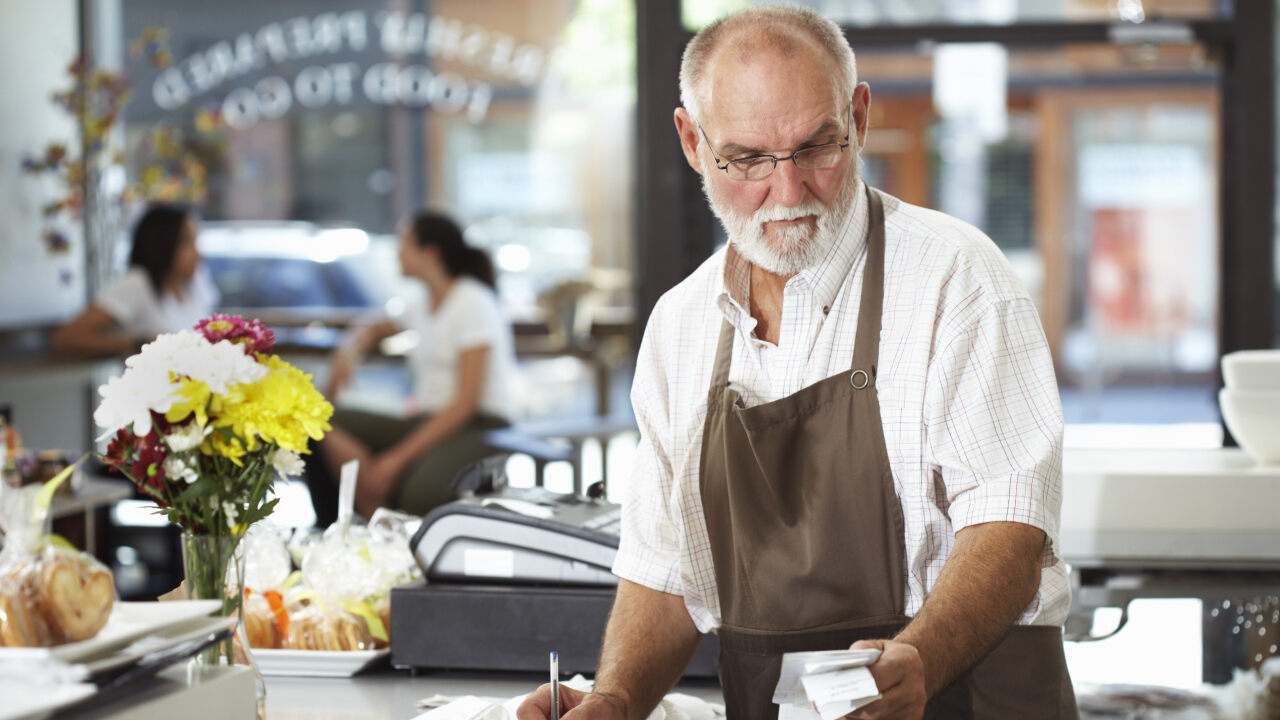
x,y
1121,154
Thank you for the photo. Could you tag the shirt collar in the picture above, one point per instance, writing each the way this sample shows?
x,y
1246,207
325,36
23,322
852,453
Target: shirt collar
x,y
820,283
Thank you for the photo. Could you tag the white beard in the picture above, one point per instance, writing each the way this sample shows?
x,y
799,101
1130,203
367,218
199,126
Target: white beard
x,y
795,247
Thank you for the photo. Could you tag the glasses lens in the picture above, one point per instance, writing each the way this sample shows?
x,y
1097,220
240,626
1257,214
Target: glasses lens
x,y
752,168
819,156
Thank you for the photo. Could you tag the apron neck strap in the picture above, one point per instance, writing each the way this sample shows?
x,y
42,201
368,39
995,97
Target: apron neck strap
x,y
724,354
866,344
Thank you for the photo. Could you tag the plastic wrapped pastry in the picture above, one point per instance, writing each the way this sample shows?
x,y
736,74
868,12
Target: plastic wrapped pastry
x,y
49,594
20,625
266,622
268,574
317,628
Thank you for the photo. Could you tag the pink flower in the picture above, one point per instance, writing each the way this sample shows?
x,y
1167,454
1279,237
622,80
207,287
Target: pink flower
x,y
252,335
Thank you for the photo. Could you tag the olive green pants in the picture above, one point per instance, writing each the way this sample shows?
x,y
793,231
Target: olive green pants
x,y
428,480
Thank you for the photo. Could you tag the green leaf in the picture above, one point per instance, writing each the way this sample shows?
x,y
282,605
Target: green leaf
x,y
45,496
253,515
201,486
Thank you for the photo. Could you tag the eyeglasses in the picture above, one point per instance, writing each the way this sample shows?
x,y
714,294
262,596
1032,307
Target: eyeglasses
x,y
759,167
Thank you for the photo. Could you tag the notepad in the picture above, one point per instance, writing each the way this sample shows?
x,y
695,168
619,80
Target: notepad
x,y
826,684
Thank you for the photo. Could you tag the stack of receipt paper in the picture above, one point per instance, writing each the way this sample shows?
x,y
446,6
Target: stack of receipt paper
x,y
827,684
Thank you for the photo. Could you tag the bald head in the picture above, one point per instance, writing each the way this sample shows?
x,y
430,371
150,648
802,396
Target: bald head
x,y
784,31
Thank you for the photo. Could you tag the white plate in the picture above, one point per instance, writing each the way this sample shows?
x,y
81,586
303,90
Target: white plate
x,y
128,622
316,663
37,701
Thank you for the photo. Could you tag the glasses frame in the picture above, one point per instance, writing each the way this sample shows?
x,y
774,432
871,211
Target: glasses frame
x,y
774,159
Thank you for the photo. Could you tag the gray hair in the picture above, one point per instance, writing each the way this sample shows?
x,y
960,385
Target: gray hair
x,y
772,26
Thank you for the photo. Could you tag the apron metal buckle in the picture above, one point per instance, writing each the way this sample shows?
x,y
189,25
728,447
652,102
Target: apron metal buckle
x,y
859,379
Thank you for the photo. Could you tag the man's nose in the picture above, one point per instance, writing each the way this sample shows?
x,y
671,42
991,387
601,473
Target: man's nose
x,y
788,184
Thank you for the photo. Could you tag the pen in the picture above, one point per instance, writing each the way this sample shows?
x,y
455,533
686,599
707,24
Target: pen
x,y
555,685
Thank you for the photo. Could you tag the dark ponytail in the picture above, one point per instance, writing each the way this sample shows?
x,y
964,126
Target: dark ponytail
x,y
155,241
431,229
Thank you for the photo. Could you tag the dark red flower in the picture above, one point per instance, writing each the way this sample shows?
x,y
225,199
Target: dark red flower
x,y
147,471
120,451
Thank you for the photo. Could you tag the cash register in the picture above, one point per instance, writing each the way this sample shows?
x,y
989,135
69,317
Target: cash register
x,y
510,574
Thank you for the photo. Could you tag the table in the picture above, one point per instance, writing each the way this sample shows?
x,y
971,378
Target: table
x,y
95,493
393,694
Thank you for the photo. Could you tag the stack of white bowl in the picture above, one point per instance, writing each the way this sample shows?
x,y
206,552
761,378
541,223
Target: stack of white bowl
x,y
1250,402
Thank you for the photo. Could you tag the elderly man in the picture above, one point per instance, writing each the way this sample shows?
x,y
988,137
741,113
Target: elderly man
x,y
850,428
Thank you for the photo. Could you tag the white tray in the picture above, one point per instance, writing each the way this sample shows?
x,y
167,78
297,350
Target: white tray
x,y
128,622
316,663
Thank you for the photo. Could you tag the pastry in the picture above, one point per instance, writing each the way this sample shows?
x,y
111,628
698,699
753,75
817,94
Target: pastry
x,y
352,632
19,625
74,596
260,623
314,630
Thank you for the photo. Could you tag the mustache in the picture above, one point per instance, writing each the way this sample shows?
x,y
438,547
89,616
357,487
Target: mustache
x,y
778,212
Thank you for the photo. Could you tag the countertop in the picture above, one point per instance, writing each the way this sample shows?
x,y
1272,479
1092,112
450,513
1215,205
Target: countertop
x,y
394,694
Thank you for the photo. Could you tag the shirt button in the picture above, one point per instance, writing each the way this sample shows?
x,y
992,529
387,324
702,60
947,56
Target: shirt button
x,y
826,309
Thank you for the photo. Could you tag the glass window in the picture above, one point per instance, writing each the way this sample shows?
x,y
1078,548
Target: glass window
x,y
1095,170
515,119
866,13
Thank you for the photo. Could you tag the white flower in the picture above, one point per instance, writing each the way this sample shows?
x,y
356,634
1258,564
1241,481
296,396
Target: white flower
x,y
149,383
187,437
287,462
187,352
130,398
232,512
178,468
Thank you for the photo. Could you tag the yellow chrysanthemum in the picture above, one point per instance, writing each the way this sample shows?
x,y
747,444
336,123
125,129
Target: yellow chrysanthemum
x,y
230,448
195,399
282,408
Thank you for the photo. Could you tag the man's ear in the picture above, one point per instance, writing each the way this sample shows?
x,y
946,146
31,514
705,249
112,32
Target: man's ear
x,y
862,112
690,139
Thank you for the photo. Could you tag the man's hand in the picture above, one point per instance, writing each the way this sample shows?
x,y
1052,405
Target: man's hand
x,y
574,705
899,674
647,644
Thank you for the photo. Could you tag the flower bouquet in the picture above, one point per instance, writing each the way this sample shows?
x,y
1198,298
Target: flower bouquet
x,y
204,420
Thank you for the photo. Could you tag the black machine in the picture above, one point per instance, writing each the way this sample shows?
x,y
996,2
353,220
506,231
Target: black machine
x,y
510,575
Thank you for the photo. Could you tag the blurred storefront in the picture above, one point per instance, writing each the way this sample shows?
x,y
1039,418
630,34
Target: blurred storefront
x,y
1085,137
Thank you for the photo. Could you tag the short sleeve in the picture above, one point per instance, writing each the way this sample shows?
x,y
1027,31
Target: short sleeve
x,y
126,299
475,320
993,418
648,551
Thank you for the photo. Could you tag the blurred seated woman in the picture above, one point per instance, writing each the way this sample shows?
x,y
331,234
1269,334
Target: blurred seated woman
x,y
165,289
462,367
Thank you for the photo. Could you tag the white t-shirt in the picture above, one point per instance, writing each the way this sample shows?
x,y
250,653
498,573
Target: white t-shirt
x,y
132,303
469,317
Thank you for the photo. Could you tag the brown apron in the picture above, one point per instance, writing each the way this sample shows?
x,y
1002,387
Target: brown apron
x,y
807,536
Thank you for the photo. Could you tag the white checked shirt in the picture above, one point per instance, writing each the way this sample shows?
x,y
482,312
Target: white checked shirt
x,y
967,393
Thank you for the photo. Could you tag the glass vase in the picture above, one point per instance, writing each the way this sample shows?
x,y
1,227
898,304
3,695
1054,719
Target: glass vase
x,y
214,567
